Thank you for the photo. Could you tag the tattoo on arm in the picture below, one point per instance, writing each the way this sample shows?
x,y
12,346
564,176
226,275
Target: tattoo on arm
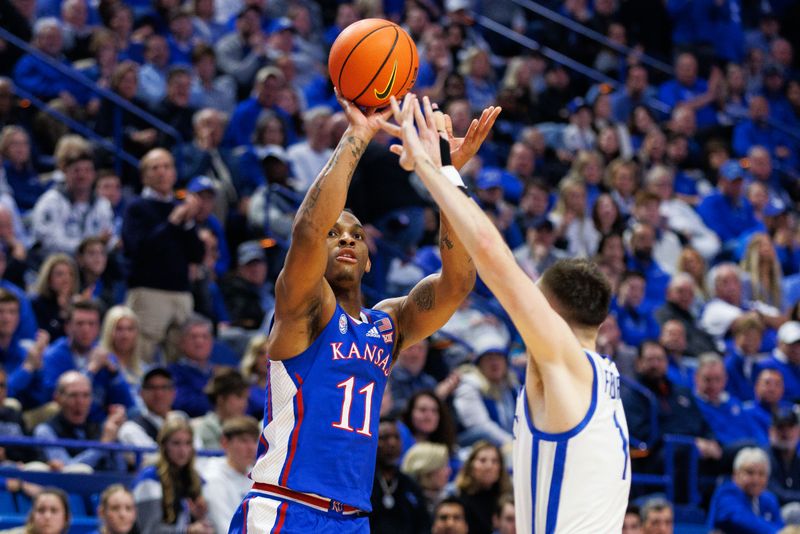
x,y
424,296
356,147
446,241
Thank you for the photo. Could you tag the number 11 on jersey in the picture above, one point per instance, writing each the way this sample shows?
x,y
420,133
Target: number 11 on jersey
x,y
347,403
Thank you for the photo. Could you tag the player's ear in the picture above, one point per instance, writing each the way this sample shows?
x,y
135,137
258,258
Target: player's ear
x,y
369,266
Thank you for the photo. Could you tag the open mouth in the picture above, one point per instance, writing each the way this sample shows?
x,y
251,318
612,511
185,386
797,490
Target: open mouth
x,y
347,255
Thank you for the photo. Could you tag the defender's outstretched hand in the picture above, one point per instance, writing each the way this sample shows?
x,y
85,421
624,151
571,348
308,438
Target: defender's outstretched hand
x,y
418,146
368,122
462,149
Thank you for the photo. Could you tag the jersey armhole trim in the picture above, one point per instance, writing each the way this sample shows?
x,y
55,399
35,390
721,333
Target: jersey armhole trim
x,y
562,436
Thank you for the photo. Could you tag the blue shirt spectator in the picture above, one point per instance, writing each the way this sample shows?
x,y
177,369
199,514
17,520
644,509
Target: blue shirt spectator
x,y
744,504
689,89
727,212
76,352
636,323
193,371
636,92
269,81
755,130
152,85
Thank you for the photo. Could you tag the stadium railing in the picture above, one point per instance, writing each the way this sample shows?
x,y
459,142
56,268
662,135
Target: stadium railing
x,y
120,103
593,35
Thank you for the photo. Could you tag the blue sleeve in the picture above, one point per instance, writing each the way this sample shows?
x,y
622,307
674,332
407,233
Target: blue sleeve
x,y
712,217
667,95
18,381
224,259
218,304
734,515
27,320
741,138
56,361
30,75
90,457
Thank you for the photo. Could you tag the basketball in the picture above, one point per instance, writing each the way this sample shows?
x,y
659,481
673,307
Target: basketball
x,y
371,60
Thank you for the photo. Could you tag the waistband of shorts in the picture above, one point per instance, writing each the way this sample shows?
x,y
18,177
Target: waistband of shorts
x,y
321,504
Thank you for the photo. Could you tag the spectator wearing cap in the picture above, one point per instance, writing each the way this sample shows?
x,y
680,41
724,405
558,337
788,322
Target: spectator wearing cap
x,y
689,89
745,504
679,307
731,425
784,437
490,187
156,226
242,52
768,399
786,359
538,252
152,84
158,394
309,157
226,480
175,108
486,395
727,212
755,130
269,81
273,204
204,156
77,351
68,213
227,393
579,135
207,193
244,290
193,371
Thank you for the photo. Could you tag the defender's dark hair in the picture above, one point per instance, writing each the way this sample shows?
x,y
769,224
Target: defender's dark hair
x,y
581,291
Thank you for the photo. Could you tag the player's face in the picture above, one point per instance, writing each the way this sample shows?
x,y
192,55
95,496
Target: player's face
x,y
348,257
450,519
752,478
486,467
425,415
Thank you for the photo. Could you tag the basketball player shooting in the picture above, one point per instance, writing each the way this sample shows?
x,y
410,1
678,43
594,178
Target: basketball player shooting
x,y
330,357
571,464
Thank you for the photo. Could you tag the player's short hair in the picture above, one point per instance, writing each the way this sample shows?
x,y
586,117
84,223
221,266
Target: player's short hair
x,y
654,504
581,291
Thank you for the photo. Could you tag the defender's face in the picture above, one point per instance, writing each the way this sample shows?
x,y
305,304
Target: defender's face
x,y
348,257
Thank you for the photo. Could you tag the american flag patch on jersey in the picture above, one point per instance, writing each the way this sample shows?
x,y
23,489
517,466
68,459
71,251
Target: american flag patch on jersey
x,y
384,324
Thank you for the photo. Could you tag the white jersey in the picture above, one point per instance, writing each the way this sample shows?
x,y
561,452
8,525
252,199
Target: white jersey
x,y
576,481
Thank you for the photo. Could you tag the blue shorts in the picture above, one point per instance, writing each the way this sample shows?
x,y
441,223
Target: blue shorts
x,y
259,514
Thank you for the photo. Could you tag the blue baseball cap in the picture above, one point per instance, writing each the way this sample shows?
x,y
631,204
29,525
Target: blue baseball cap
x,y
279,25
731,170
201,183
489,177
250,251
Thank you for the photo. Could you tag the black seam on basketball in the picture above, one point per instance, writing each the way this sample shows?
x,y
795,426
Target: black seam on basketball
x,y
353,49
388,55
411,47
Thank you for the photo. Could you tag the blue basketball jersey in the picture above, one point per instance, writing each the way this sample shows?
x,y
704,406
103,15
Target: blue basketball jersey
x,y
322,411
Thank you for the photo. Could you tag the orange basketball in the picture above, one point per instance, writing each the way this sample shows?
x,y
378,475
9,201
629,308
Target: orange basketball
x,y
371,60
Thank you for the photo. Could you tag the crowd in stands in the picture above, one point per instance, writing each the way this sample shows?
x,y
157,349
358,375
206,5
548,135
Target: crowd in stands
x,y
135,299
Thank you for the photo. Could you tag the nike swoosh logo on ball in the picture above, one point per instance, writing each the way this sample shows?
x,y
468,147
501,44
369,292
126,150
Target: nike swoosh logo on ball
x,y
383,95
